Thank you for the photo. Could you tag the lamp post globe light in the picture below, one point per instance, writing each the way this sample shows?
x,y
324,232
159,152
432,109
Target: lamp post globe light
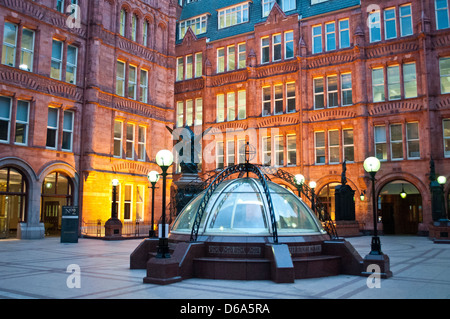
x,y
372,166
153,178
299,179
164,159
442,180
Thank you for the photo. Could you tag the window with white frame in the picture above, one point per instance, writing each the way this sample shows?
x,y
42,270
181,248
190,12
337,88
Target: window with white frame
x,y
344,33
380,142
242,104
242,58
394,91
129,147
143,86
141,143
396,141
198,64
412,140
265,50
267,6
180,113
118,131
128,202
220,60
22,122
348,145
442,18
52,127
291,141
333,147
444,70
390,24
9,44
197,24
231,58
332,90
267,101
446,131
266,151
276,47
27,50
71,65
319,147
219,155
189,67
289,44
56,60
406,24
189,112
5,118
230,153
279,150
144,32
330,36
122,23
278,98
231,106
378,85
134,27
319,98
180,69
233,15
346,89
317,39
220,108
374,26
240,151
132,82
120,78
67,138
410,80
198,111
288,5
290,97
139,205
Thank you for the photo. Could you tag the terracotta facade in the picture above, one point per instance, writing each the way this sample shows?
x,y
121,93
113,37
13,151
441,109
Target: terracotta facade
x,y
366,80
101,39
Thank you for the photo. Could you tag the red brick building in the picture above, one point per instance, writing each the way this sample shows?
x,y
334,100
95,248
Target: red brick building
x,y
85,86
313,83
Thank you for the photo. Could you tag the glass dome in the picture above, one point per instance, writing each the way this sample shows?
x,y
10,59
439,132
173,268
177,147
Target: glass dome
x,y
239,207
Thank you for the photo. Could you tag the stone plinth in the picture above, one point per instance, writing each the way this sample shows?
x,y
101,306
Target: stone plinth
x,y
439,232
347,228
113,229
382,261
162,271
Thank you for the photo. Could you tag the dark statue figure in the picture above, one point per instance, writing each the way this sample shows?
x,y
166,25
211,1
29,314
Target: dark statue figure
x,y
344,198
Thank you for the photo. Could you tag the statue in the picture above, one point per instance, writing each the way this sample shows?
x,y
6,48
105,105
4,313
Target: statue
x,y
344,170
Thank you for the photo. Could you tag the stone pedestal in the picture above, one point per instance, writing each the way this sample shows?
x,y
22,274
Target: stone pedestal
x,y
162,271
347,228
377,265
113,229
439,232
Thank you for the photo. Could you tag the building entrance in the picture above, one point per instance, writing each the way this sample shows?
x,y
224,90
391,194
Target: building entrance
x,y
400,208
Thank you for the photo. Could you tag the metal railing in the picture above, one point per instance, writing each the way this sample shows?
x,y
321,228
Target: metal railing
x,y
96,228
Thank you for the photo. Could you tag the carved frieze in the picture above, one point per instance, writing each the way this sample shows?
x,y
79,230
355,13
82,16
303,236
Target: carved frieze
x,y
394,107
331,114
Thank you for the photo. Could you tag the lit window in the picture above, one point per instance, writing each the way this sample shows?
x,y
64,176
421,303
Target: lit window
x,y
5,118
444,69
412,138
22,121
141,143
319,97
267,101
132,82
233,15
219,155
349,148
319,149
143,87
120,78
333,146
446,129
57,57
291,149
231,108
118,128
380,142
396,141
220,108
129,151
197,24
67,139
375,26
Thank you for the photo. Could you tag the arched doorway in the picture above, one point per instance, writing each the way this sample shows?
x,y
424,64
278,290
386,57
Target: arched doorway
x,y
400,215
13,200
326,196
57,191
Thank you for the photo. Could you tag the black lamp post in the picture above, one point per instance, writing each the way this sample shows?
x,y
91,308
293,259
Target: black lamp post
x,y
115,183
313,185
442,180
153,178
299,180
164,159
371,166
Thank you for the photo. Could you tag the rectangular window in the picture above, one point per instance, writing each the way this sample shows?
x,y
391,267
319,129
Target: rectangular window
x,y
219,155
71,65
276,47
132,82
145,33
394,82
180,113
52,127
141,143
289,44
60,6
290,97
412,138
330,36
9,44
197,24
123,17
378,85
189,67
332,90
346,89
242,105
231,58
67,138
220,60
349,147
444,69
130,142
446,129
396,141
140,193
317,39
118,128
410,80
180,69
57,57
267,6
220,108
241,151
189,112
27,54
319,98
319,149
198,111
265,50
198,64
230,153
279,150
287,5
390,23
406,27
291,150
278,99
128,202
344,33
143,86
267,101
233,15
5,118
267,151
442,19
333,147
242,56
231,106
380,142
120,78
22,121
133,27
375,26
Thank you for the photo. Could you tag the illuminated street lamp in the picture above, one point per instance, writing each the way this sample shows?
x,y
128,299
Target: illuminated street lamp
x,y
299,179
403,193
164,159
153,178
372,166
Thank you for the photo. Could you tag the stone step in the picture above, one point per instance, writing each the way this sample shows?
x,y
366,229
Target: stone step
x,y
316,266
232,268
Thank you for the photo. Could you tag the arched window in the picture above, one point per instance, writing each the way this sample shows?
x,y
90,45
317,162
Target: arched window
x,y
123,21
134,21
13,197
145,32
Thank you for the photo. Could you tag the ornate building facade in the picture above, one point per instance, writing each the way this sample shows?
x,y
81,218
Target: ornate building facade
x,y
311,84
85,87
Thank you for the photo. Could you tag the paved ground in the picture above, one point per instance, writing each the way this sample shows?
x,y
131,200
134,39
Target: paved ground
x,y
37,269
